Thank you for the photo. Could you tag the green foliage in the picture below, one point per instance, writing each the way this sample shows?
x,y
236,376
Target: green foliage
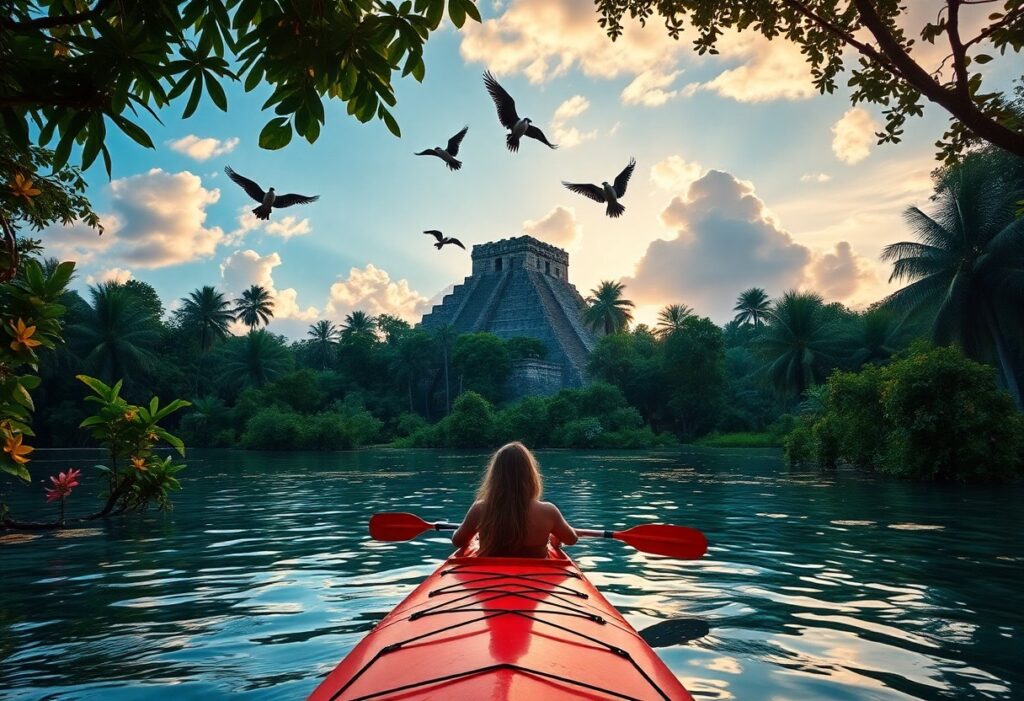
x,y
482,361
935,415
30,315
131,435
762,439
471,423
694,369
255,359
607,310
254,307
73,72
524,347
869,43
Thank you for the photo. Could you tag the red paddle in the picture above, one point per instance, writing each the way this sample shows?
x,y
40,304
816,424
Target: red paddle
x,y
658,539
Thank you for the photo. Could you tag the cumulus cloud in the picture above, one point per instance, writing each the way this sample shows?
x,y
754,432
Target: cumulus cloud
x,y
650,88
566,135
203,148
675,174
109,275
558,227
853,135
285,227
815,178
244,268
372,290
727,240
841,273
543,39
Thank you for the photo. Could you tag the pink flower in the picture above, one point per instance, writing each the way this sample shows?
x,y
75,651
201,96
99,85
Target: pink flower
x,y
62,485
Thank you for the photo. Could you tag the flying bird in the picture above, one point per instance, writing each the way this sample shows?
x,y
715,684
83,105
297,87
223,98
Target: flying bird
x,y
518,127
605,192
268,199
448,153
443,240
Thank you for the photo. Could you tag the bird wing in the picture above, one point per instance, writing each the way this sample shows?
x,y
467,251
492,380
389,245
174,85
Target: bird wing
x,y
535,133
503,101
622,179
252,189
290,199
587,190
456,242
435,233
455,141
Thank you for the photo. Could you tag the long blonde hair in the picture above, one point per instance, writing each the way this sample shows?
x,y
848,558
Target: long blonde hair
x,y
511,483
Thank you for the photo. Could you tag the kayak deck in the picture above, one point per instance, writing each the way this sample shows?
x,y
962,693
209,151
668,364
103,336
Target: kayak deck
x,y
502,628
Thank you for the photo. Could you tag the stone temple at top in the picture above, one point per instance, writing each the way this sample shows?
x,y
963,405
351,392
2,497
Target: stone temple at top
x,y
520,287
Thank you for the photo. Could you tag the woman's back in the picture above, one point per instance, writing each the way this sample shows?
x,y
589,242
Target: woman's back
x,y
508,514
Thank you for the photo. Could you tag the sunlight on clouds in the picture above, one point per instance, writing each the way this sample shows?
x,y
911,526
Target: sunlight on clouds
x,y
769,70
287,227
372,290
853,135
565,135
203,149
815,178
727,240
649,89
244,268
675,174
119,275
558,227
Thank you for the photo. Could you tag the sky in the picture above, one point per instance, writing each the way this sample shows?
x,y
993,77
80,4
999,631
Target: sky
x,y
745,177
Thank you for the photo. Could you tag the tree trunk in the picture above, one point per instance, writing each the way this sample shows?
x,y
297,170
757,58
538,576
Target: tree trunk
x,y
447,388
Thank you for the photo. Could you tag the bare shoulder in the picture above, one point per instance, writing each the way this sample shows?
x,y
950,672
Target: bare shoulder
x,y
548,507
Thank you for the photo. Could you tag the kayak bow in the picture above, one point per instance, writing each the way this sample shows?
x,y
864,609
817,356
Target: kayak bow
x,y
489,628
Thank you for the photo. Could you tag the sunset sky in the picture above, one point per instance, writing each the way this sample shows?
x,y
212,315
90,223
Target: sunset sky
x,y
745,177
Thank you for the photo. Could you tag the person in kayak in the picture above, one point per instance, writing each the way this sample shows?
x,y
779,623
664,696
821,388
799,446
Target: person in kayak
x,y
508,514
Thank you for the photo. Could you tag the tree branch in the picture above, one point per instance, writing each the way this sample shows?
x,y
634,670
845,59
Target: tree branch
x,y
959,52
963,108
38,23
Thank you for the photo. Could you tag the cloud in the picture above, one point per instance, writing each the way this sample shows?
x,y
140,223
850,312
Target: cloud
x,y
287,227
726,241
841,274
544,39
109,275
558,227
815,178
769,70
675,174
244,268
566,135
203,149
853,135
372,290
649,89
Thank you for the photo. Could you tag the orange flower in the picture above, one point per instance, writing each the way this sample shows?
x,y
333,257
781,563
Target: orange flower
x,y
139,464
23,336
22,187
130,415
16,450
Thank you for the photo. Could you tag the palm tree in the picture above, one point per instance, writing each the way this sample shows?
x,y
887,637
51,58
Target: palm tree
x,y
752,306
207,312
392,327
324,337
877,336
672,318
799,346
967,266
116,336
606,309
254,307
359,325
255,359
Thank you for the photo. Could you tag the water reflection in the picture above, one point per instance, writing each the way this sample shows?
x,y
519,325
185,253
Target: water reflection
x,y
816,586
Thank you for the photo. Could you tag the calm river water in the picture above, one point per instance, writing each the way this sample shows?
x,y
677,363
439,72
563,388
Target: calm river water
x,y
816,586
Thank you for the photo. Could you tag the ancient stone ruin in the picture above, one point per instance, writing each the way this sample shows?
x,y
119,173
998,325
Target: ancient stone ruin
x,y
520,287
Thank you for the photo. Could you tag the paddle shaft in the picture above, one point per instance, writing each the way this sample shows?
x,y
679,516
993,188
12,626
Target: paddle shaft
x,y
582,532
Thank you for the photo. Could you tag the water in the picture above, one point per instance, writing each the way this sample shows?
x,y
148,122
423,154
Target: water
x,y
817,586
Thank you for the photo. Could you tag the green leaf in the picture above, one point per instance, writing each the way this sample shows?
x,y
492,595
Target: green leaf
x,y
60,278
67,139
457,13
95,385
276,134
982,58
217,94
134,131
21,396
471,9
389,120
16,470
253,79
193,98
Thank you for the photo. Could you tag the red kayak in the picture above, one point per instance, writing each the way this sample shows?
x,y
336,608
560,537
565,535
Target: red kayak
x,y
490,628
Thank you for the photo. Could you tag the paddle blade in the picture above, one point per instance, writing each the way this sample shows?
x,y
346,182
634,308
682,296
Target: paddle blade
x,y
671,541
397,526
